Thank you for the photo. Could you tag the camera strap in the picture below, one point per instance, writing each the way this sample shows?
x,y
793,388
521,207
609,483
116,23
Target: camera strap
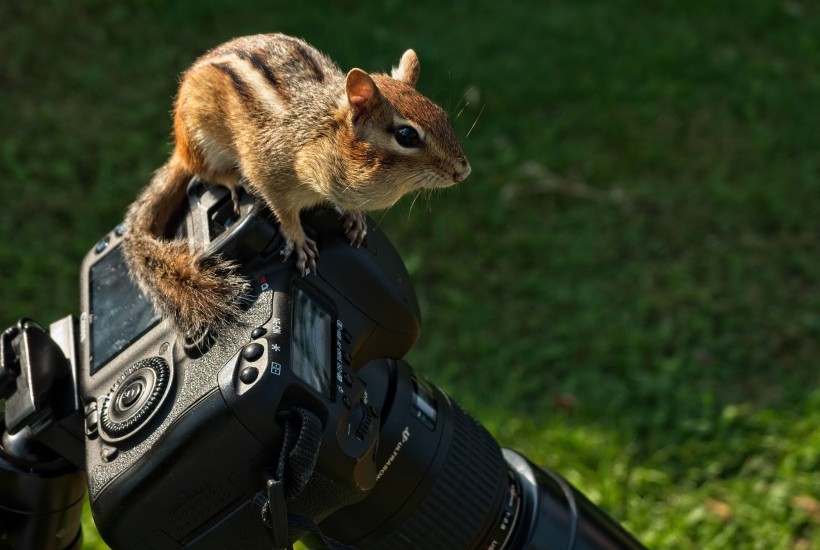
x,y
297,461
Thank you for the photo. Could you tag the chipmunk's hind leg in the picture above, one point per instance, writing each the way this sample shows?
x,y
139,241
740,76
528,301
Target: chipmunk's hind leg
x,y
194,292
230,180
235,197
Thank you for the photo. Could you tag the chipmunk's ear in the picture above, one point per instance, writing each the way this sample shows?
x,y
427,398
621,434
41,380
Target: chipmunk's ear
x,y
362,93
408,69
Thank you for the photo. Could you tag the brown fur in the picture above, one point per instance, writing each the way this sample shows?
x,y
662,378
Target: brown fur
x,y
275,115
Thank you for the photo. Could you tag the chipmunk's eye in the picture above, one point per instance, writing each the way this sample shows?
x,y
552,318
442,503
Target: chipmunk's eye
x,y
407,136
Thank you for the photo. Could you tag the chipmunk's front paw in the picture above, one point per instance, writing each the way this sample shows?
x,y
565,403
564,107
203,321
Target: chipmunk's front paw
x,y
306,253
355,226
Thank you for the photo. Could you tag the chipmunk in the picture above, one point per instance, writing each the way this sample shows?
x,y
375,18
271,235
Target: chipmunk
x,y
273,115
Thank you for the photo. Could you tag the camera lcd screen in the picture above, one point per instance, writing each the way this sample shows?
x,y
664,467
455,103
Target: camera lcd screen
x,y
311,343
120,313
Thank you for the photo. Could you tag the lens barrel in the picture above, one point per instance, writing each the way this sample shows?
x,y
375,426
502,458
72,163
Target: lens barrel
x,y
556,515
444,483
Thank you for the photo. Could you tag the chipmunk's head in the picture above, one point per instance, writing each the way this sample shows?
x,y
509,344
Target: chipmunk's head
x,y
400,139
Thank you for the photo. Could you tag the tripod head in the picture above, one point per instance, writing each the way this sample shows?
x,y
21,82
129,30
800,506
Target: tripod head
x,y
41,490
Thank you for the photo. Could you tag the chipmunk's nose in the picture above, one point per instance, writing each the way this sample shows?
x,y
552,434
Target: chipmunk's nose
x,y
463,170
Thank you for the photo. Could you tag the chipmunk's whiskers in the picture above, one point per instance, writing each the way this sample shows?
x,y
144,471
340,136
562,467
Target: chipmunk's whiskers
x,y
476,121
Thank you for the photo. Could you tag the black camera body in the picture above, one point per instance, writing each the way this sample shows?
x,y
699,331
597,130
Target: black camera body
x,y
184,432
298,421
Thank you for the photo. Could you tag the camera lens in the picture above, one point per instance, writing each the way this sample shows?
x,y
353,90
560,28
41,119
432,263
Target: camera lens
x,y
442,481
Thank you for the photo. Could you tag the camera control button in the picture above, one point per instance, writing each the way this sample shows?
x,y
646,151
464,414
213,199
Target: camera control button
x,y
92,419
130,394
102,245
365,424
249,374
108,453
252,352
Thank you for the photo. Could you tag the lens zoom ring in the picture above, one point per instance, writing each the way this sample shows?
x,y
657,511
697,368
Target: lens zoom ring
x,y
465,501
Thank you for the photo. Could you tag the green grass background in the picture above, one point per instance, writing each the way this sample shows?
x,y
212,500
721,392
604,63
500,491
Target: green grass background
x,y
626,287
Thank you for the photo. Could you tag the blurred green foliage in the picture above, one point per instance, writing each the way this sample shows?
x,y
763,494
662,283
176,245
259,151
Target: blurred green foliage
x,y
626,288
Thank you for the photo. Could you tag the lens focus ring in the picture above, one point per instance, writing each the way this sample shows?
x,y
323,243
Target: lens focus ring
x,y
466,502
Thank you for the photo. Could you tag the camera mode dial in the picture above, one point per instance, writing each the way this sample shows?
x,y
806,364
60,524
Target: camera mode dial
x,y
134,398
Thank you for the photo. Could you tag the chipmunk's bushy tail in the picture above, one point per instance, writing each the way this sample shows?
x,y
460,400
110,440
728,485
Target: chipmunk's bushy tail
x,y
195,292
